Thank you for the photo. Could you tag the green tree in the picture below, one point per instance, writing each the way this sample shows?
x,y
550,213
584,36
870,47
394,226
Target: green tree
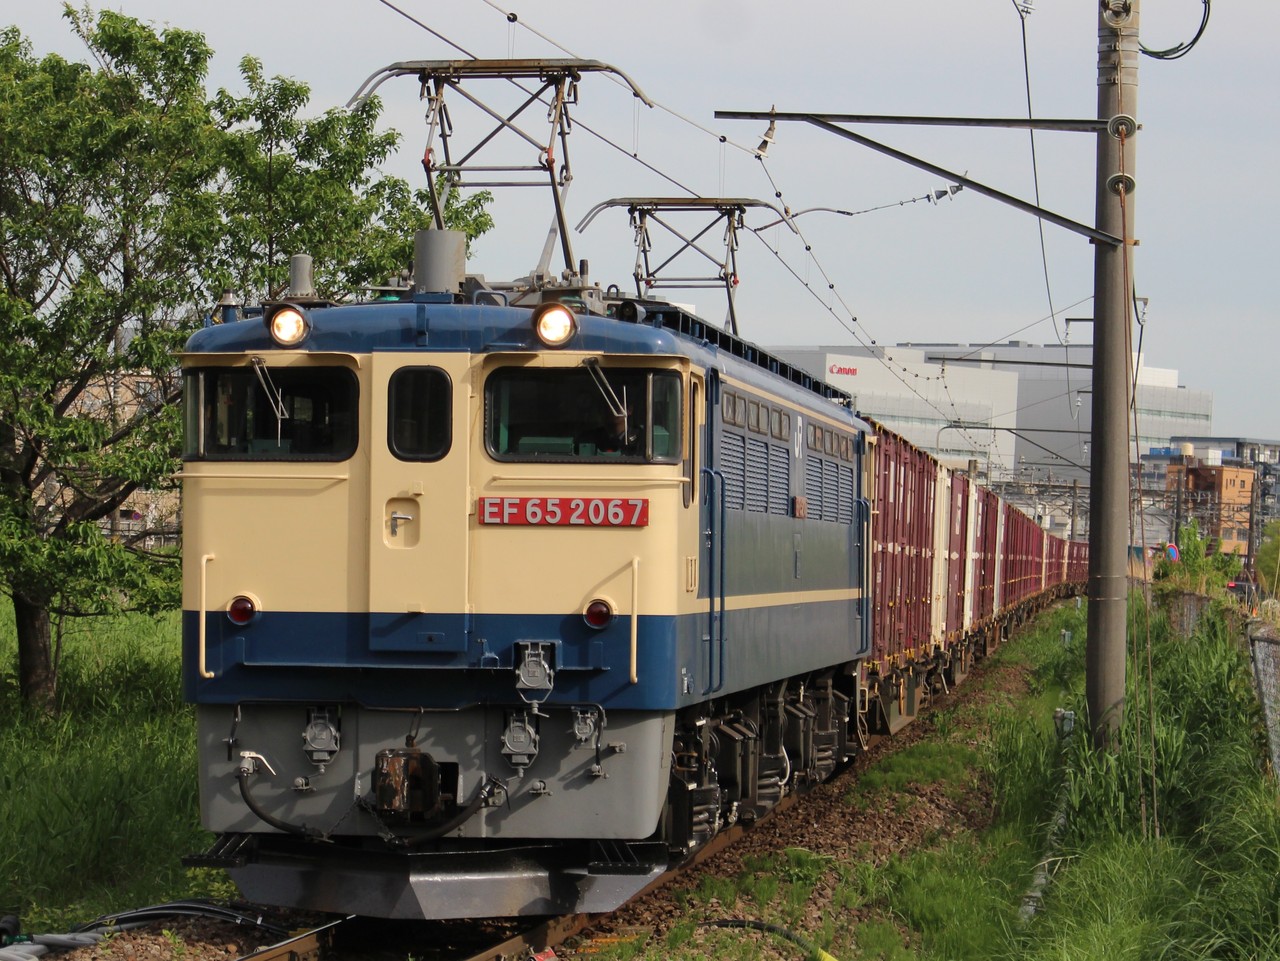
x,y
1200,567
127,199
294,184
106,202
1267,562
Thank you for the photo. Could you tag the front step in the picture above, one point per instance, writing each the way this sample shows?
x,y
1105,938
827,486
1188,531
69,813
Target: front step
x,y
227,851
626,857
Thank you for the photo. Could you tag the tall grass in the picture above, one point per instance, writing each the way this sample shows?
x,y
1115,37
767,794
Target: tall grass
x,y
1172,845
1022,749
98,802
961,899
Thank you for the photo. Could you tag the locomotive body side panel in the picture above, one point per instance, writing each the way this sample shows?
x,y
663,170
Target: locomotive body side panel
x,y
782,502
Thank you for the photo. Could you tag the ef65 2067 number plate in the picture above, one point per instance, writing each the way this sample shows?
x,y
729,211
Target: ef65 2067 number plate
x,y
565,511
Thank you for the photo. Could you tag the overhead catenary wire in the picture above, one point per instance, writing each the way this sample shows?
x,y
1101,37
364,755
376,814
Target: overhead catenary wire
x,y
903,374
515,20
877,352
978,348
577,123
882,358
1024,11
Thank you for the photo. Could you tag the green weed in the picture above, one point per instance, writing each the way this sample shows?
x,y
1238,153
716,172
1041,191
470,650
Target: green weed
x,y
881,941
101,798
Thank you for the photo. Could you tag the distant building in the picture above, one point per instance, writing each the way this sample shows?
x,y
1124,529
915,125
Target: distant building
x,y
1022,411
1226,484
1036,399
1219,499
1238,451
958,413
1055,402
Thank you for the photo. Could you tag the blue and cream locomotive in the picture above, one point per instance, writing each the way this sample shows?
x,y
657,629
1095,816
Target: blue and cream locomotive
x,y
490,610
499,599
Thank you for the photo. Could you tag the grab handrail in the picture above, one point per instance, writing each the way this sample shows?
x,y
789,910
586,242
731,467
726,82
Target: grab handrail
x,y
635,615
203,630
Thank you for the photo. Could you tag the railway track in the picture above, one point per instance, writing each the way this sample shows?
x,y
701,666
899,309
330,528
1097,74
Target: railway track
x,y
437,941
374,939
365,939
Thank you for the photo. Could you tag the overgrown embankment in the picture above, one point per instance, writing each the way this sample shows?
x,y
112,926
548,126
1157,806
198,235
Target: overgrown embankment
x,y
1166,848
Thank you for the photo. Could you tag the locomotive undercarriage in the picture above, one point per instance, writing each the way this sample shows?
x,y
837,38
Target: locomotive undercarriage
x,y
735,758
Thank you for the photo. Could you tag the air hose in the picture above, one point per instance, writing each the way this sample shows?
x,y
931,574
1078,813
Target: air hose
x,y
440,830
299,830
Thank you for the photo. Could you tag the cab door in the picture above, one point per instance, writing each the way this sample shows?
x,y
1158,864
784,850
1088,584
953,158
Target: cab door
x,y
418,505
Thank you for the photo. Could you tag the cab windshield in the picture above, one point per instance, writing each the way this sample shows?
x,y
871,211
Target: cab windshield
x,y
590,412
270,413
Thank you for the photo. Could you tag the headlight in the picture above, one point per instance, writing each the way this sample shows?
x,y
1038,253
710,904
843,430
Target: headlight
x,y
554,324
289,325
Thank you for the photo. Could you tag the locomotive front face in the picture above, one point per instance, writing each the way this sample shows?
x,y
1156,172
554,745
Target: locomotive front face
x,y
433,596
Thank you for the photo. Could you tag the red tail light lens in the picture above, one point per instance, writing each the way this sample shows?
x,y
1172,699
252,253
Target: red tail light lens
x,y
241,611
598,615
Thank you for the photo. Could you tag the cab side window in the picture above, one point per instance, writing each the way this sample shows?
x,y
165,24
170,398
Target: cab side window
x,y
419,413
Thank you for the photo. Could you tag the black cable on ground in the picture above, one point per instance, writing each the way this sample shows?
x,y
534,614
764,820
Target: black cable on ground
x,y
813,950
191,908
28,947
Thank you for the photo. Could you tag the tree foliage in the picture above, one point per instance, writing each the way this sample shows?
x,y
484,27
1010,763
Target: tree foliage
x,y
294,184
105,205
1200,568
128,200
1267,563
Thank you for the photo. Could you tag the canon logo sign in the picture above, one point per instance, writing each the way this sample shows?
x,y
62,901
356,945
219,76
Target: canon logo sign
x,y
837,369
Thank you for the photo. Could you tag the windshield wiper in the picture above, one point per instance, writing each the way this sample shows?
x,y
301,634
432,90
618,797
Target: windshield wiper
x,y
275,396
618,408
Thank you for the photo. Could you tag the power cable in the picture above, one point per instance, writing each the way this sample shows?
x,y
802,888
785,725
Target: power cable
x,y
1024,10
1013,333
811,949
514,19
1182,49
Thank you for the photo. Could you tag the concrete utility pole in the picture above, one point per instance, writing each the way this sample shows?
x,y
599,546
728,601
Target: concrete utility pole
x,y
1112,235
1109,471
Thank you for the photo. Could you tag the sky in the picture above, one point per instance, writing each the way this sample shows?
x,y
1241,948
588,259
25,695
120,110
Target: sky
x,y
966,269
